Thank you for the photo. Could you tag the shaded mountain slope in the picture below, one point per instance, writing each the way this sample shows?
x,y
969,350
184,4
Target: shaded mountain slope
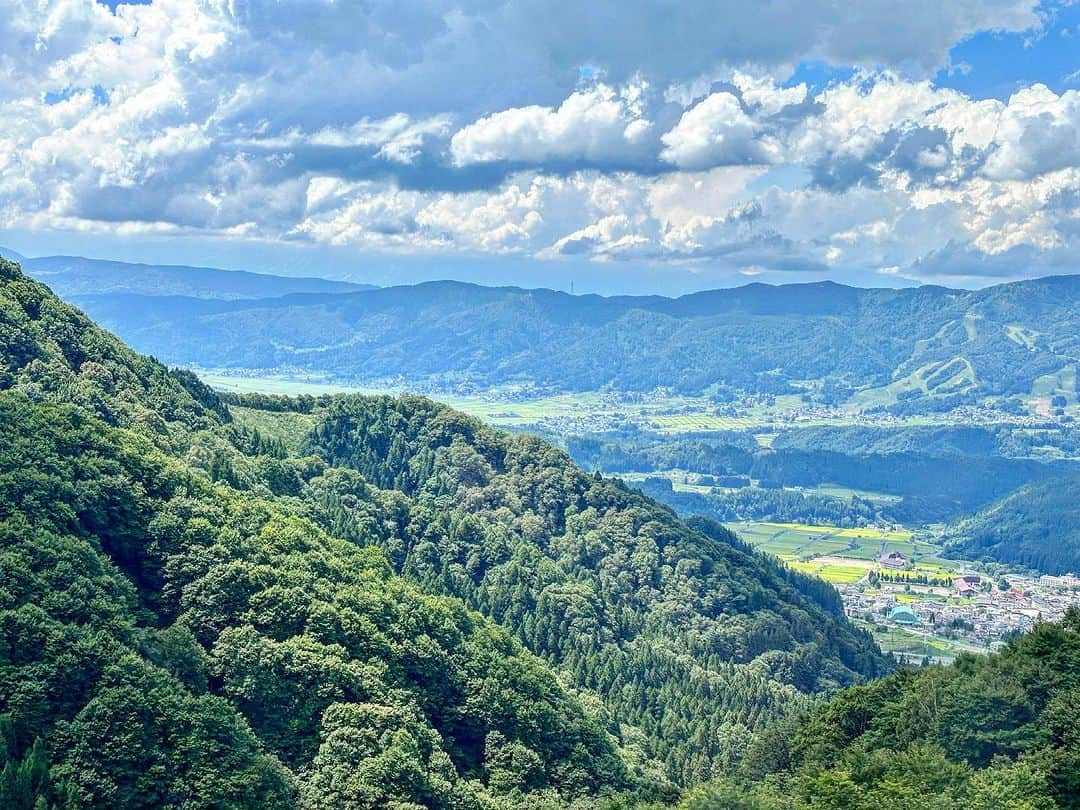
x,y
1036,526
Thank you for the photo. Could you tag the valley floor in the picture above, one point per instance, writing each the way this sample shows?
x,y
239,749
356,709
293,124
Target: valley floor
x,y
659,412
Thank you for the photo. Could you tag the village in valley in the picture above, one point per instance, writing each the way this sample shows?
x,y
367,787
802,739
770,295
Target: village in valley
x,y
975,611
919,605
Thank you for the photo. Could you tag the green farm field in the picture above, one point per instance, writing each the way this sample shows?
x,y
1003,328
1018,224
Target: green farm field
x,y
915,644
837,554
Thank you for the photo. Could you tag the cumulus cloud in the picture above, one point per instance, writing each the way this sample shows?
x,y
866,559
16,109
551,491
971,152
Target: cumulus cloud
x,y
596,124
610,132
718,132
1037,132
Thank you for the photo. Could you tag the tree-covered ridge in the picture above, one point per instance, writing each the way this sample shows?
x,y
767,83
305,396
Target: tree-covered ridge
x,y
173,633
1000,731
137,593
1037,526
688,637
937,473
53,352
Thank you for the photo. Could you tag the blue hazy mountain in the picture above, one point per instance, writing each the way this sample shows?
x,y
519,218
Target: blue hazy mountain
x,y
71,276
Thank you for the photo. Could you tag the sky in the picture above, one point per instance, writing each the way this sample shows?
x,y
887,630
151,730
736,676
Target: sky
x,y
620,146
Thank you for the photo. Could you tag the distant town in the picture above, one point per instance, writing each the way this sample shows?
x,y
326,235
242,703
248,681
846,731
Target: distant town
x,y
973,612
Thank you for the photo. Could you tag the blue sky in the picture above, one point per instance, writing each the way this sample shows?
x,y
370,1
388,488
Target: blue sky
x,y
623,146
999,63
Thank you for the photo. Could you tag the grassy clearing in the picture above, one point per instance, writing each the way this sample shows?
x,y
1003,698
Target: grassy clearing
x,y
291,428
764,439
847,493
1059,383
898,640
1022,335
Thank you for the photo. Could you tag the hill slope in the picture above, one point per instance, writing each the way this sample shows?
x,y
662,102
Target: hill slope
x,y
167,640
190,610
1037,526
990,732
926,347
681,630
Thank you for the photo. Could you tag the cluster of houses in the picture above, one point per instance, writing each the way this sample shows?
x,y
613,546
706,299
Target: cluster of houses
x,y
975,610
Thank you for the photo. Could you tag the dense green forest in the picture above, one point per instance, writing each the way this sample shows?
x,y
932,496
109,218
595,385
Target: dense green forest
x,y
933,487
174,634
1037,526
939,474
779,505
193,616
954,347
680,630
938,440
728,453
1047,441
1001,731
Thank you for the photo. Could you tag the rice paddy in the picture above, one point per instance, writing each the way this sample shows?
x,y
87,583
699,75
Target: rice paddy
x,y
841,554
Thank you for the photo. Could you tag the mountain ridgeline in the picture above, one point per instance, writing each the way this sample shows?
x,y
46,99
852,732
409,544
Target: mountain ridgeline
x,y
74,276
921,349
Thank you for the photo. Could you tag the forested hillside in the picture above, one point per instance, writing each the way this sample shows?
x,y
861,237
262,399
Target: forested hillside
x,y
682,631
1037,526
170,639
192,615
936,474
1001,731
914,350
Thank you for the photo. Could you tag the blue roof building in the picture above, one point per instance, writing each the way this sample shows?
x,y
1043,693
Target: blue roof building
x,y
902,614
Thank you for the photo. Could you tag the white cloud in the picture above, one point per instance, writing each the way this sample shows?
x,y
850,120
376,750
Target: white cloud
x,y
392,129
718,132
762,95
397,137
1037,132
597,123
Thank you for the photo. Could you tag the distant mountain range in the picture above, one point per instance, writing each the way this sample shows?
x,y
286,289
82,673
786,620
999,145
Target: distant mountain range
x,y
71,276
908,350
